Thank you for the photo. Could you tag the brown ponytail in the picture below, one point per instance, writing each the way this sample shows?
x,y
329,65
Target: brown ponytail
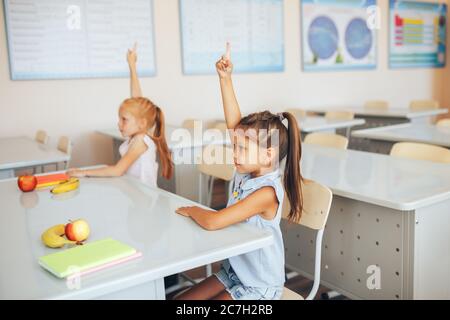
x,y
159,137
289,146
292,173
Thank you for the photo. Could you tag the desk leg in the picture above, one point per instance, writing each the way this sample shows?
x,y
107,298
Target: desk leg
x,y
358,237
153,290
410,248
376,146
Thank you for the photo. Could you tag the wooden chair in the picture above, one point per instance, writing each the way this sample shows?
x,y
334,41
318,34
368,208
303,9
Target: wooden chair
x,y
444,123
377,105
221,125
421,105
329,140
316,208
298,113
42,137
340,115
421,151
190,123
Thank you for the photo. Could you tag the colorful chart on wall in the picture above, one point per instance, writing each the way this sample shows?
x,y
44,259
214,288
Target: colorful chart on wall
x,y
253,27
62,39
417,34
336,35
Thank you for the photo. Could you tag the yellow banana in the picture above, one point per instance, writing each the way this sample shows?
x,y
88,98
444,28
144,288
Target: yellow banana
x,y
54,237
69,185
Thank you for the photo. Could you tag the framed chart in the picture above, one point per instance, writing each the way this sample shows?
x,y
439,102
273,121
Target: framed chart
x,y
65,39
417,34
253,27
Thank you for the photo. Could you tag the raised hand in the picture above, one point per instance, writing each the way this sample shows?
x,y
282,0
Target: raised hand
x,y
132,56
224,66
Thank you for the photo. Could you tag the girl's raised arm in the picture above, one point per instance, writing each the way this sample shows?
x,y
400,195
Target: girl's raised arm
x,y
136,91
230,105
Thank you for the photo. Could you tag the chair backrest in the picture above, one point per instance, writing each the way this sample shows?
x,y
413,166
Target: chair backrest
x,y
217,162
340,115
65,145
316,208
316,205
444,123
330,140
190,123
298,113
419,105
42,137
221,125
421,151
377,105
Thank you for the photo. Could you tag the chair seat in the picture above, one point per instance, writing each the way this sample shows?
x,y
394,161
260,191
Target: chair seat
x,y
290,295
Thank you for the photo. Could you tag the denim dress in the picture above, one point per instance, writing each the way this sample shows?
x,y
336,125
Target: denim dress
x,y
258,274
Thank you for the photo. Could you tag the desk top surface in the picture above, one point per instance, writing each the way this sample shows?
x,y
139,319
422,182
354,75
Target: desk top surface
x,y
408,133
313,124
396,183
389,113
120,208
19,152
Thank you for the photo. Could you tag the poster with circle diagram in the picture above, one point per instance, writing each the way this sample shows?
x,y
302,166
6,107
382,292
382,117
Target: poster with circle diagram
x,y
417,34
338,35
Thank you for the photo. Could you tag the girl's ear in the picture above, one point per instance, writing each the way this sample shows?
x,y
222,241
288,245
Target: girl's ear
x,y
272,155
142,123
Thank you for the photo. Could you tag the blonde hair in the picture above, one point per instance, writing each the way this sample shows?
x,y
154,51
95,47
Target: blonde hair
x,y
143,108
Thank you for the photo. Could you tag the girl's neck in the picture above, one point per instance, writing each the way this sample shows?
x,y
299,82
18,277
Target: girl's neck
x,y
138,133
261,172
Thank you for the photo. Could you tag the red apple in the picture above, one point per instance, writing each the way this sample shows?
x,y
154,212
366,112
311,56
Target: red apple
x,y
77,230
27,183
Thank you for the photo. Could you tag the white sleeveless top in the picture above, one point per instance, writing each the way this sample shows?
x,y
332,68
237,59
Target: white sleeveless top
x,y
145,168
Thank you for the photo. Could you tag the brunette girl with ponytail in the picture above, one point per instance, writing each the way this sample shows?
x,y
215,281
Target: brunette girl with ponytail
x,y
257,198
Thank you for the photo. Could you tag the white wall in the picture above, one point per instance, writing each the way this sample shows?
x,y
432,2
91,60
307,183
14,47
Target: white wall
x,y
78,107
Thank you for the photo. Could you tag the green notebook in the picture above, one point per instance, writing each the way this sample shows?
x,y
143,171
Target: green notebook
x,y
86,257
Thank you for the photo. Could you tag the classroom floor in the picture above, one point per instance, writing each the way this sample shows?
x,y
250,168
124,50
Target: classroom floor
x,y
298,284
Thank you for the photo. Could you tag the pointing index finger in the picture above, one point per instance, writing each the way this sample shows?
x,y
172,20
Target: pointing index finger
x,y
228,52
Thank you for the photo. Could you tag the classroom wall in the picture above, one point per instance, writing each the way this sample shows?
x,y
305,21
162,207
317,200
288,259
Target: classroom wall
x,y
79,107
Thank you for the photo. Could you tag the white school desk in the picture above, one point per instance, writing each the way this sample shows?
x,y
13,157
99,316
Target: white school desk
x,y
24,152
317,124
185,181
386,211
377,118
381,140
120,208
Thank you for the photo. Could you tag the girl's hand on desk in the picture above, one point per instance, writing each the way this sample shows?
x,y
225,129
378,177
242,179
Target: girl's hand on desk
x,y
189,211
78,173
185,211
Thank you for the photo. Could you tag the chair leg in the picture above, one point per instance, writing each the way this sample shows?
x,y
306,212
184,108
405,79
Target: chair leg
x,y
210,191
208,270
200,187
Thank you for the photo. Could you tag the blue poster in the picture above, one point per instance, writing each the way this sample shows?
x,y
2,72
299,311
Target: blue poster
x,y
72,39
337,35
417,34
